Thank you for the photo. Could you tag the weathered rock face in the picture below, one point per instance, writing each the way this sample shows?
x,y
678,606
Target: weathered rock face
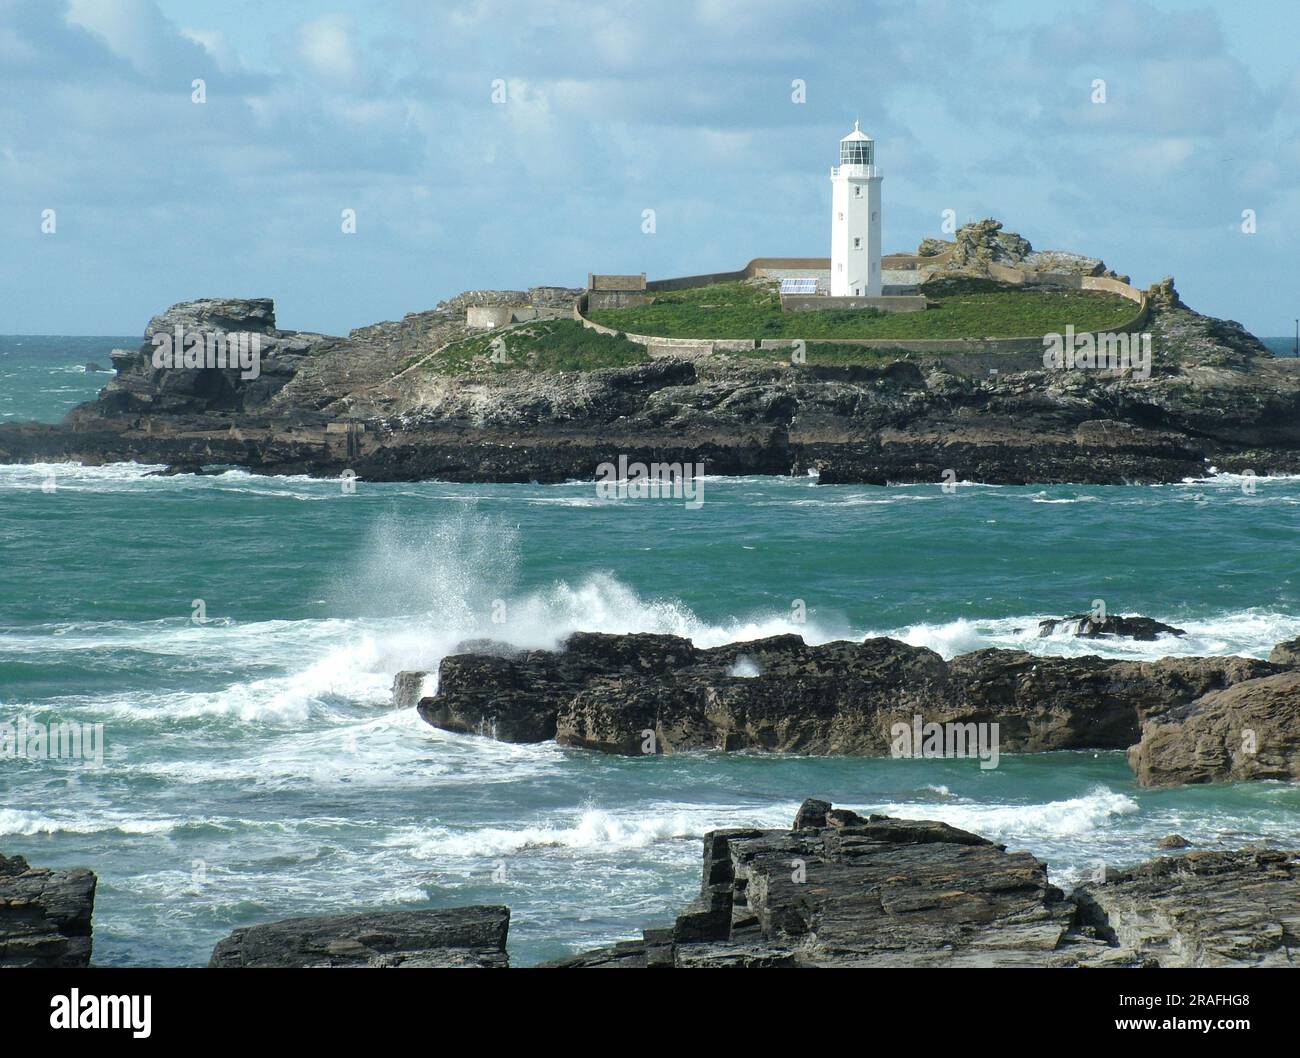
x,y
660,694
45,915
322,405
1247,731
1287,654
1237,908
140,387
984,242
457,937
1085,626
840,890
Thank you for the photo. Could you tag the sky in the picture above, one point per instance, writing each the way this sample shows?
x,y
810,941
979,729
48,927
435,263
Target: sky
x,y
511,143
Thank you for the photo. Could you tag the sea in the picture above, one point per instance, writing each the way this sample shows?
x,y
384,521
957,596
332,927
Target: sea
x,y
237,635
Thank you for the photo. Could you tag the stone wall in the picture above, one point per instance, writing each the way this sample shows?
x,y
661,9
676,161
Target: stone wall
x,y
485,317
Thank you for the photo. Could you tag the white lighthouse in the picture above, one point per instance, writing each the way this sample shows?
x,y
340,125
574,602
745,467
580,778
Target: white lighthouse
x,y
855,218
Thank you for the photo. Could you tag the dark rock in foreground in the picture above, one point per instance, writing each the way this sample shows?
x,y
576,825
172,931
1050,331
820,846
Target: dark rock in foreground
x,y
1085,626
635,694
45,915
458,937
1239,908
847,891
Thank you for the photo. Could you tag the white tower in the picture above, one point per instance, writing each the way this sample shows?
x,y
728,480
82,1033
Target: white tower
x,y
855,218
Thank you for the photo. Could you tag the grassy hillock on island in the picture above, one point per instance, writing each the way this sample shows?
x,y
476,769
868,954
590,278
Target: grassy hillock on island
x,y
965,308
544,346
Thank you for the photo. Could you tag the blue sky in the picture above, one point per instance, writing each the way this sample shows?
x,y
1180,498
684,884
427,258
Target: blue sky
x,y
386,107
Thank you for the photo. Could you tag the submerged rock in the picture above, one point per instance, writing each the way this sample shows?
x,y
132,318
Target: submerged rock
x,y
455,937
45,915
1085,626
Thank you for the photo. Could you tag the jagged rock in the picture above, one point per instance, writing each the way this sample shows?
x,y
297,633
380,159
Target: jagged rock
x,y
1173,841
934,247
812,813
1237,908
1250,730
45,915
1287,653
1088,627
1162,294
889,892
456,937
1062,261
982,243
639,694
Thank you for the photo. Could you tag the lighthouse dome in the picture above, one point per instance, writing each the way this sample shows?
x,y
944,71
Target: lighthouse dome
x,y
857,148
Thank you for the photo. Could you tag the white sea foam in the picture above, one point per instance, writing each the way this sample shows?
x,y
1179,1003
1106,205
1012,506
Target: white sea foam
x,y
1075,817
1251,633
591,830
27,823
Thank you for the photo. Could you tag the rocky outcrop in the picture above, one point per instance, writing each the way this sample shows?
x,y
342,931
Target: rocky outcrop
x,y
456,937
45,915
979,244
1239,908
1247,731
643,694
843,890
368,403
1287,654
1086,626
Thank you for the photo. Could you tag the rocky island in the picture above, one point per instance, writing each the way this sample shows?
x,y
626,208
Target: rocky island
x,y
544,397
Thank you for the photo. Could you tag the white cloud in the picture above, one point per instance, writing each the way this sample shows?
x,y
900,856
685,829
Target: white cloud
x,y
326,44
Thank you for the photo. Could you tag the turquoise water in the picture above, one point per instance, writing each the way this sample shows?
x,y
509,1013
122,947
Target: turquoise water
x,y
255,768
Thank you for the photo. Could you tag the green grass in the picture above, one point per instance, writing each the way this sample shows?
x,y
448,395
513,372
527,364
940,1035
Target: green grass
x,y
545,346
958,309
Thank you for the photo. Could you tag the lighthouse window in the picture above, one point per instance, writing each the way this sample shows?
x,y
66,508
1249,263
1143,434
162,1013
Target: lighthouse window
x,y
857,190
857,152
841,216
857,243
875,215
